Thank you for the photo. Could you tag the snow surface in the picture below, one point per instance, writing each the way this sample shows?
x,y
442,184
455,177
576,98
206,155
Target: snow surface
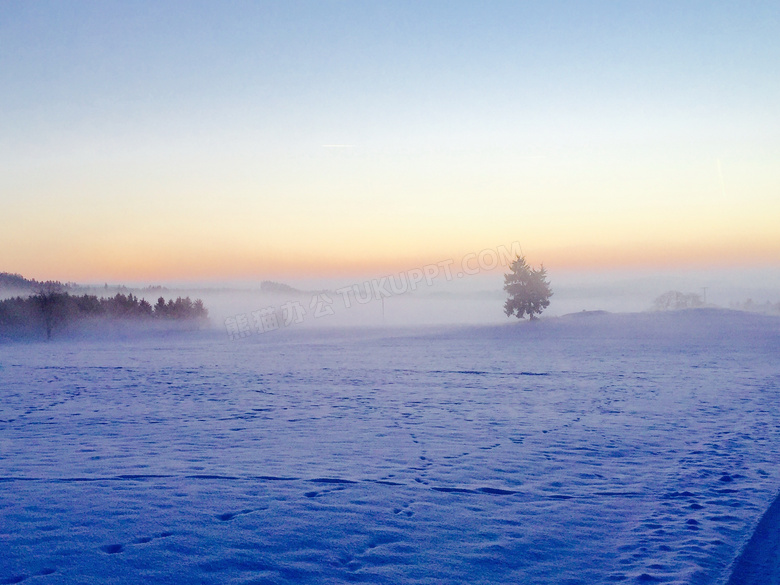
x,y
592,448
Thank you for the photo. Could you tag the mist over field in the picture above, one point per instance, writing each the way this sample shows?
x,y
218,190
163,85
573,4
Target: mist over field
x,y
478,298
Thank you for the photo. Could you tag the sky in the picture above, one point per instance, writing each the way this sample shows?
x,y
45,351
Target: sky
x,y
154,141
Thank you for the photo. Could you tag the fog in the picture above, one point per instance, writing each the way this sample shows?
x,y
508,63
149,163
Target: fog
x,y
421,297
477,299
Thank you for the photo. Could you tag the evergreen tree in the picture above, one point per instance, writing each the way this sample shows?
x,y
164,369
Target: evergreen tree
x,y
160,310
528,289
199,309
145,308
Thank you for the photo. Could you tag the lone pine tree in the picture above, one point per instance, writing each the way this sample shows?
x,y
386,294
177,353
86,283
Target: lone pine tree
x,y
527,288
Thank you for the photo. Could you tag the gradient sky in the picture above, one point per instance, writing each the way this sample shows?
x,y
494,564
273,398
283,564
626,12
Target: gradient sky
x,y
164,140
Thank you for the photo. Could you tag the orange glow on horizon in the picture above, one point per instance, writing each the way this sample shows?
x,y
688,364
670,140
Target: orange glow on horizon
x,y
216,266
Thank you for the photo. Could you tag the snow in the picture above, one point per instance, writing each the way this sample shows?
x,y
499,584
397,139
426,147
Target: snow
x,y
759,563
594,448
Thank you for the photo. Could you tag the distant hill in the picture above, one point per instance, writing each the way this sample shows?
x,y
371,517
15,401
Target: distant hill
x,y
268,286
16,282
279,288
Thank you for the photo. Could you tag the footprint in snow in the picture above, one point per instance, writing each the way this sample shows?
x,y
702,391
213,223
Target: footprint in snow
x,y
112,549
230,515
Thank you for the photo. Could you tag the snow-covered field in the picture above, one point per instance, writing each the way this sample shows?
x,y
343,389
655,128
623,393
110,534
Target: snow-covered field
x,y
583,449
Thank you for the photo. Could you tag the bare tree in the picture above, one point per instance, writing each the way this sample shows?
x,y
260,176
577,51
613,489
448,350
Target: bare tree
x,y
674,300
50,297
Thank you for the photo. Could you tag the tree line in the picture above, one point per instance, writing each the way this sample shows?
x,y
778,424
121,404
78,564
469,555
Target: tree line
x,y
51,308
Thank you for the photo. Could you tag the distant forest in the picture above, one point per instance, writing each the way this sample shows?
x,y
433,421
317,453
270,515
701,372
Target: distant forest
x,y
17,282
52,308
